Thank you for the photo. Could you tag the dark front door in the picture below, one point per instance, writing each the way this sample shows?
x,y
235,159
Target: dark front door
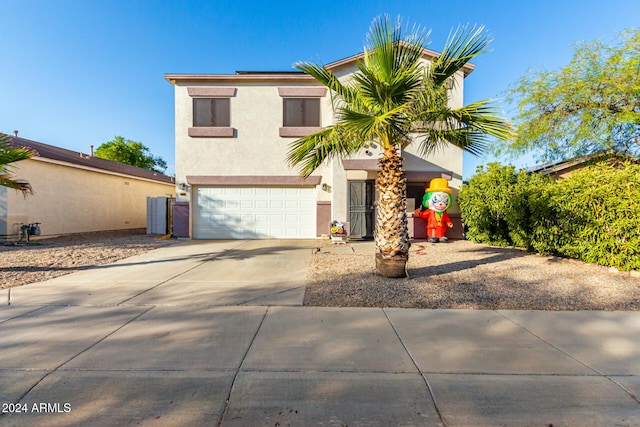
x,y
361,196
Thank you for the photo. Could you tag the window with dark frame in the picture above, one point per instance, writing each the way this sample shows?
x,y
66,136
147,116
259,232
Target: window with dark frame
x,y
211,112
415,191
301,112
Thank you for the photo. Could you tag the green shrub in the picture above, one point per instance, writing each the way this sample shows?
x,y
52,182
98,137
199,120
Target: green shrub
x,y
600,215
593,215
507,208
530,216
484,202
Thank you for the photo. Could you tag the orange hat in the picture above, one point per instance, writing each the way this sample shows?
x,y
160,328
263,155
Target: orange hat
x,y
439,184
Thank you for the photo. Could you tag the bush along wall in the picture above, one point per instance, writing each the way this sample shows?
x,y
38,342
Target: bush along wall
x,y
593,215
599,215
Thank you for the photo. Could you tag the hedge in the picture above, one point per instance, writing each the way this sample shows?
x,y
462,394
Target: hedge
x,y
593,215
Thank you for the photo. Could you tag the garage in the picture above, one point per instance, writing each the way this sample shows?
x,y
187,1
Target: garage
x,y
252,212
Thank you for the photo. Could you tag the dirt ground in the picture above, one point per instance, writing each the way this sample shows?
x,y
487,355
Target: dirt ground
x,y
463,274
458,274
49,258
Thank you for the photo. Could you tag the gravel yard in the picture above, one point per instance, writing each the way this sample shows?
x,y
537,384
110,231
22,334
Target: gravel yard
x,y
458,274
462,274
49,258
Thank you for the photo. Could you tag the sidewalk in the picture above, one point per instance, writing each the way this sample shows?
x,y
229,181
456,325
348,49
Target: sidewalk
x,y
209,334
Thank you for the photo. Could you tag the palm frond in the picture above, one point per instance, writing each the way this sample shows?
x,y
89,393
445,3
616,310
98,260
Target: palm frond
x,y
328,79
464,138
468,127
392,97
378,54
369,126
461,47
390,71
9,155
309,152
12,155
22,186
483,117
389,52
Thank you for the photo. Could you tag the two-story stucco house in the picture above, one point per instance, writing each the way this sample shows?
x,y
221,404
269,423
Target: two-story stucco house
x,y
232,136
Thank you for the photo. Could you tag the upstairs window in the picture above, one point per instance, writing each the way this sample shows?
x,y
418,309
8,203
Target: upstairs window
x,y
211,112
301,112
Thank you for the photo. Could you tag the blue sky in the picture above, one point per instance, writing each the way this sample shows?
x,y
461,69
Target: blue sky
x,y
76,73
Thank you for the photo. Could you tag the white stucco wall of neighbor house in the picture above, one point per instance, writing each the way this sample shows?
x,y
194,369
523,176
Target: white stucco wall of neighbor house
x,y
70,199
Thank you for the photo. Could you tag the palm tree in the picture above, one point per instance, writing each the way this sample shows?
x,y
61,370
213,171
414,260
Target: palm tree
x,y
9,155
395,99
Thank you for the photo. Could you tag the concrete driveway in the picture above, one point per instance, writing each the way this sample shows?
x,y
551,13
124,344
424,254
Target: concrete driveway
x,y
212,273
212,333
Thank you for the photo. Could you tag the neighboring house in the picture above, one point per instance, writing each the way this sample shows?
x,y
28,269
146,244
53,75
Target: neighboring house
x,y
75,192
564,168
232,136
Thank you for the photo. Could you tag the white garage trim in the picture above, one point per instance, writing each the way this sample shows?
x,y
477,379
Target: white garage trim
x,y
254,180
245,212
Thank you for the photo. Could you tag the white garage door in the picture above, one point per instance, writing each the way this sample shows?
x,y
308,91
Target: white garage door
x,y
254,212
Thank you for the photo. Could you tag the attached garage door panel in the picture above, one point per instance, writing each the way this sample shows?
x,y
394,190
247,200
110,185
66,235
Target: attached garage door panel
x,y
254,212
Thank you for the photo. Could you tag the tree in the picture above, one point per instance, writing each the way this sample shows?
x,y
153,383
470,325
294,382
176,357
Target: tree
x,y
9,154
132,153
591,105
394,99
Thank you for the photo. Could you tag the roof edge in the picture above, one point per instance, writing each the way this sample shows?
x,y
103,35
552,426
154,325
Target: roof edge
x,y
81,160
291,76
431,54
247,77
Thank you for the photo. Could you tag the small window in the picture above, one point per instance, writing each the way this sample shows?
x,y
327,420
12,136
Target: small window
x,y
415,194
211,112
301,112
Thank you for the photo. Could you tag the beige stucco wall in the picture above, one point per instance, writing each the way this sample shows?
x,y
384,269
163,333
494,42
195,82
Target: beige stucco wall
x,y
257,148
69,199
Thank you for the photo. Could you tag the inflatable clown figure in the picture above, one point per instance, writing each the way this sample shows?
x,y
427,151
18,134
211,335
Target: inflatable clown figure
x,y
436,200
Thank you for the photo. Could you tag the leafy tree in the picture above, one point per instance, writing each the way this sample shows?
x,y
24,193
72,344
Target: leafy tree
x,y
590,105
132,153
395,99
9,154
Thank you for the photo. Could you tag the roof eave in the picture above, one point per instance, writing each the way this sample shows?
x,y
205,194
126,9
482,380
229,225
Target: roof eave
x,y
249,77
430,54
59,155
286,76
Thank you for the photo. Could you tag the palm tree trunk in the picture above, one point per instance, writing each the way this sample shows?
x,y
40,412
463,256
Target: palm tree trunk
x,y
391,231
